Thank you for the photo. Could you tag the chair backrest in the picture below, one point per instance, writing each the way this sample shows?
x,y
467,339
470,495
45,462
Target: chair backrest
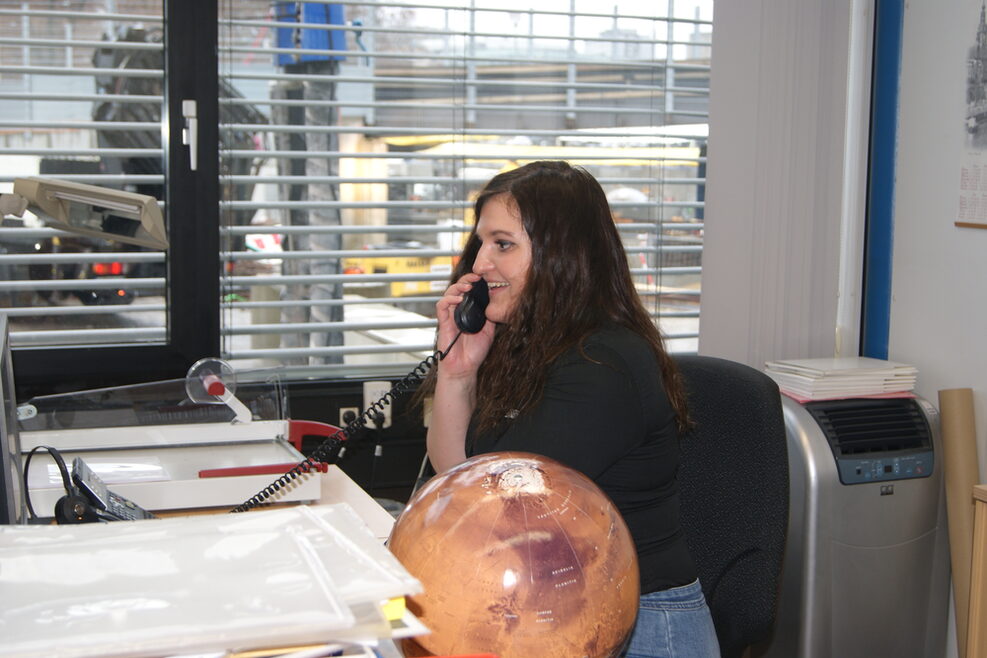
x,y
734,494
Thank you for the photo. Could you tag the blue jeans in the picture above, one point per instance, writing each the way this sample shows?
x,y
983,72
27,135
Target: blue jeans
x,y
674,623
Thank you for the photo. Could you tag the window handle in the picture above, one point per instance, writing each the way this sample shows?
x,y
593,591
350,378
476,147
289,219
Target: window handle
x,y
190,133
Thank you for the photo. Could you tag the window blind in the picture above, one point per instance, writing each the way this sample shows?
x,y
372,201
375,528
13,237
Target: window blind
x,y
355,134
80,100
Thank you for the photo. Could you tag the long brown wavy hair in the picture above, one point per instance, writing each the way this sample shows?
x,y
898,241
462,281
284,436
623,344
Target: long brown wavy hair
x,y
578,282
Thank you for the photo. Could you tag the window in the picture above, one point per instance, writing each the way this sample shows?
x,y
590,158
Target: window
x,y
81,95
350,137
354,135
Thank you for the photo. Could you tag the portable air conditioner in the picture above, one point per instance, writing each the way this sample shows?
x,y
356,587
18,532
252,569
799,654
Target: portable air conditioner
x,y
866,571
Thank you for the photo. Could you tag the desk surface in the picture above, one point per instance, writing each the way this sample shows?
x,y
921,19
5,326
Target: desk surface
x,y
336,487
980,492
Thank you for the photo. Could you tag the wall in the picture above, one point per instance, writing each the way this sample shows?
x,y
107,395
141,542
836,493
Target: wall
x,y
787,174
787,182
938,309
789,100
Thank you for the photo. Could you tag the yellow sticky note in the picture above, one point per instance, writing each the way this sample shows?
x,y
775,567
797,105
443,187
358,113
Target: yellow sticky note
x,y
393,608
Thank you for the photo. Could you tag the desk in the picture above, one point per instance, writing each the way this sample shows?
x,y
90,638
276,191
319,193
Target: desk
x,y
976,643
335,487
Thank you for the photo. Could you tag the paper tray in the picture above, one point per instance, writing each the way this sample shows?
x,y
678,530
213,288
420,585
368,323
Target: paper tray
x,y
184,489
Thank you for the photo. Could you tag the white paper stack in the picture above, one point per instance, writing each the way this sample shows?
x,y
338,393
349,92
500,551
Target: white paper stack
x,y
842,377
213,583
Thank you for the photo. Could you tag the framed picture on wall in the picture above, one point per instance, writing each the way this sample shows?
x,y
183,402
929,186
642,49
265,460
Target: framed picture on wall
x,y
972,208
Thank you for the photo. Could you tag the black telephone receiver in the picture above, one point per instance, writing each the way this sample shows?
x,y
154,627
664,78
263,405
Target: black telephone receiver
x,y
471,313
108,506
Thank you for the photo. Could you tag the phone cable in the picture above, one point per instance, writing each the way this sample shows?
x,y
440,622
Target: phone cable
x,y
328,451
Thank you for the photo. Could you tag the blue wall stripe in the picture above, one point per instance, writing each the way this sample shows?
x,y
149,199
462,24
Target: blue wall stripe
x,y
879,234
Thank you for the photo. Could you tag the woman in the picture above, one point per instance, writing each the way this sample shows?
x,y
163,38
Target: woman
x,y
570,365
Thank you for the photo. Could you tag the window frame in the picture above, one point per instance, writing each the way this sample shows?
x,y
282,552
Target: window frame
x,y
192,218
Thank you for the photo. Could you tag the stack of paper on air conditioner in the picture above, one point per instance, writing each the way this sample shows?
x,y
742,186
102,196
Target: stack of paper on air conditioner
x,y
218,583
842,377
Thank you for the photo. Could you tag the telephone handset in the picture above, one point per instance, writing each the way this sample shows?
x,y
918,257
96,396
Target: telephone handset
x,y
109,506
470,314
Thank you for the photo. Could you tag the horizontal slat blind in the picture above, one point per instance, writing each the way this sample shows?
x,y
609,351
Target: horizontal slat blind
x,y
359,131
80,100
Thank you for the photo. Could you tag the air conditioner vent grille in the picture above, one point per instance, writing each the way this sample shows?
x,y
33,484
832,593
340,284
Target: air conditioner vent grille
x,y
863,426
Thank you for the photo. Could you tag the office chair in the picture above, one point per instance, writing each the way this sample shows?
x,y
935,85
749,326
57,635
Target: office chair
x,y
734,495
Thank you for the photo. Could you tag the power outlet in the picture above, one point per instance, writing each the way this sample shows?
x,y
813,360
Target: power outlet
x,y
347,410
374,391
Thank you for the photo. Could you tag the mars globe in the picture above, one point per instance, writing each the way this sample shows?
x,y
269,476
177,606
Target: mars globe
x,y
519,556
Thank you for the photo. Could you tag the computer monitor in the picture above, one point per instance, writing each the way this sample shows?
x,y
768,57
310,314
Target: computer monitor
x,y
13,505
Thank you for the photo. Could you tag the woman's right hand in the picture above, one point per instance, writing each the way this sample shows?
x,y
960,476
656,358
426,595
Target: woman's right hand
x,y
465,357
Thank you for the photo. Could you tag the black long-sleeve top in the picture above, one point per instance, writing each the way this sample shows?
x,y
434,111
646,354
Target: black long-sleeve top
x,y
609,417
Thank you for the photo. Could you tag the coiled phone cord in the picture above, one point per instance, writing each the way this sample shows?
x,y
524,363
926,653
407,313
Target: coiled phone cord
x,y
328,450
